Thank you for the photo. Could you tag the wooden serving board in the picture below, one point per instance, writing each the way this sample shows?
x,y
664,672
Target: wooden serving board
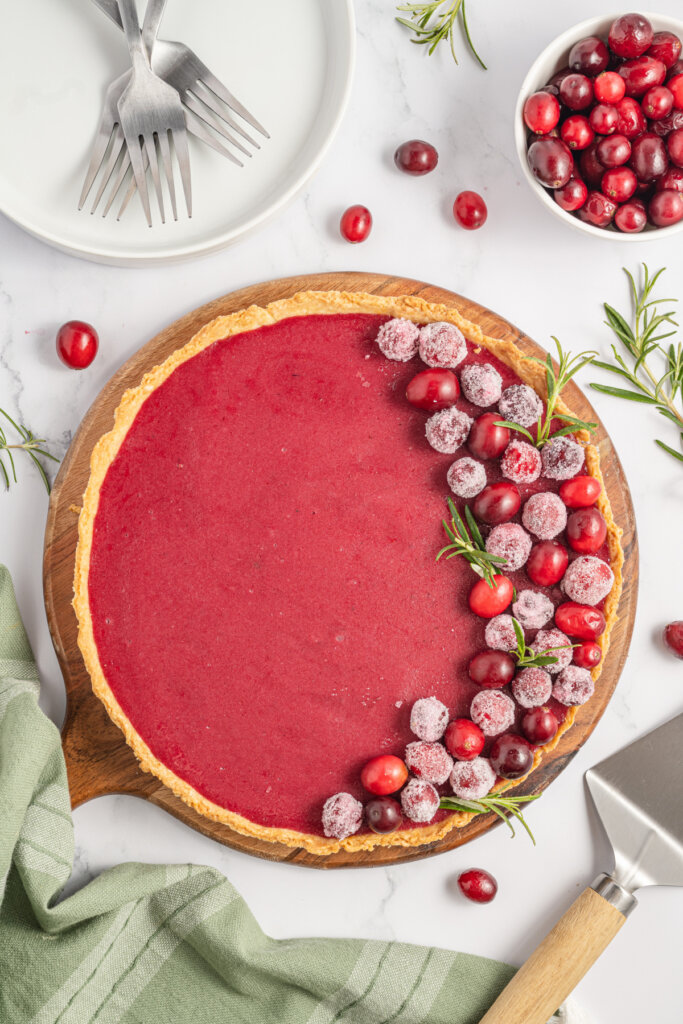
x,y
98,760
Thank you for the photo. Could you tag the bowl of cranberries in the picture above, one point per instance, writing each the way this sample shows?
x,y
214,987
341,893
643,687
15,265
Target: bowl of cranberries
x,y
599,126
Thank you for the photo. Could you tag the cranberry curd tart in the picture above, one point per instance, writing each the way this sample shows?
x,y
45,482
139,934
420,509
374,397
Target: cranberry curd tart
x,y
346,569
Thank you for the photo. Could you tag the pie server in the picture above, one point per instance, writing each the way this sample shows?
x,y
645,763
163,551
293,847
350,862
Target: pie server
x,y
638,794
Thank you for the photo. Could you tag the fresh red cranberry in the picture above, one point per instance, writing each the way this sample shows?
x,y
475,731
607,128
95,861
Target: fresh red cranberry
x,y
477,885
433,389
667,124
383,815
497,503
464,739
384,774
576,92
641,74
588,654
580,491
598,210
416,157
540,725
355,224
657,102
619,183
582,621
589,56
547,563
469,209
649,159
604,119
551,162
492,669
609,87
673,179
675,69
591,168
675,86
577,132
487,601
630,118
486,440
613,151
665,47
511,756
541,113
630,35
673,637
559,76
666,208
586,530
674,145
571,196
631,217
77,344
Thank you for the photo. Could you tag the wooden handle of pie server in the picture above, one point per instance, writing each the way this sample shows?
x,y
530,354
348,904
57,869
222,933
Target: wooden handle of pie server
x,y
558,963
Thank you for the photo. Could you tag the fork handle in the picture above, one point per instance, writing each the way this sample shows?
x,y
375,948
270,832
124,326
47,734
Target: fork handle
x,y
131,27
150,26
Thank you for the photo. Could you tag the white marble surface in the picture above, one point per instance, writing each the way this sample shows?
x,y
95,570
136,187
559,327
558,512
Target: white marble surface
x,y
531,269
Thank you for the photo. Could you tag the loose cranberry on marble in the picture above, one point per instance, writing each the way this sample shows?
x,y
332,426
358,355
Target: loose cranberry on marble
x,y
666,208
491,669
589,56
604,119
487,601
580,492
470,210
649,158
641,74
477,885
588,654
631,217
630,118
356,224
433,389
550,161
486,440
581,621
511,756
619,183
77,344
598,210
613,151
609,87
497,503
416,157
665,47
576,91
541,113
586,530
383,815
571,196
547,563
464,740
577,132
384,774
630,35
540,725
657,102
673,637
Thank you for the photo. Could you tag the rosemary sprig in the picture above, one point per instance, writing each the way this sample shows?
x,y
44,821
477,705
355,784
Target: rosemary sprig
x,y
469,544
431,33
32,445
642,340
526,657
503,806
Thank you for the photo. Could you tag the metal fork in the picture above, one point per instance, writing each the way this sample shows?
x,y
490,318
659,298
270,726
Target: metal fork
x,y
151,113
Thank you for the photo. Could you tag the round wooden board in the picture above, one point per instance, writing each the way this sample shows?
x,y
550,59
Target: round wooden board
x,y
98,760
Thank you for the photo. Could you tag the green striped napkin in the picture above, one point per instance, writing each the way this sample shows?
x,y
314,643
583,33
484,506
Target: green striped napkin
x,y
145,944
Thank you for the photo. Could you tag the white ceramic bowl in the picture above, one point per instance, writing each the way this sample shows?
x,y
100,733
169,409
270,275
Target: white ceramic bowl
x,y
544,67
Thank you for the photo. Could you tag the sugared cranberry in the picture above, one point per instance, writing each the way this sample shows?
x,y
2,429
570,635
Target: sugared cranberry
x,y
433,389
673,637
356,223
613,151
442,345
551,161
673,179
463,739
487,601
589,56
648,157
563,458
521,462
571,196
581,492
588,580
675,85
577,132
641,74
555,644
486,440
545,515
630,35
497,503
447,430
581,621
576,91
547,563
470,211
500,633
532,687
541,113
666,208
342,816
511,756
604,119
665,47
674,145
588,654
540,725
428,719
586,530
511,542
384,774
477,885
520,404
77,344
383,815
631,217
598,210
491,669
420,801
573,686
466,477
609,87
494,713
429,761
398,338
619,183
481,384
657,102
532,609
416,157
630,118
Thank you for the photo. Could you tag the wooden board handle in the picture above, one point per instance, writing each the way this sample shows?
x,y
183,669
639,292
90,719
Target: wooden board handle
x,y
558,963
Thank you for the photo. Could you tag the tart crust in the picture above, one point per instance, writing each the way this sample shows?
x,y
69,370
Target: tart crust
x,y
106,449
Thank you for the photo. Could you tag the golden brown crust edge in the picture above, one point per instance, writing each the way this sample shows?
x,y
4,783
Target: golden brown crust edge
x,y
106,449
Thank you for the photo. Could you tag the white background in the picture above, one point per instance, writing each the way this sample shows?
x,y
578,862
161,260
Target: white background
x,y
533,270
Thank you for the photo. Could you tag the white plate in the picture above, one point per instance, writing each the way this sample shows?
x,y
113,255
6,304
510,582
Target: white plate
x,y
289,61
